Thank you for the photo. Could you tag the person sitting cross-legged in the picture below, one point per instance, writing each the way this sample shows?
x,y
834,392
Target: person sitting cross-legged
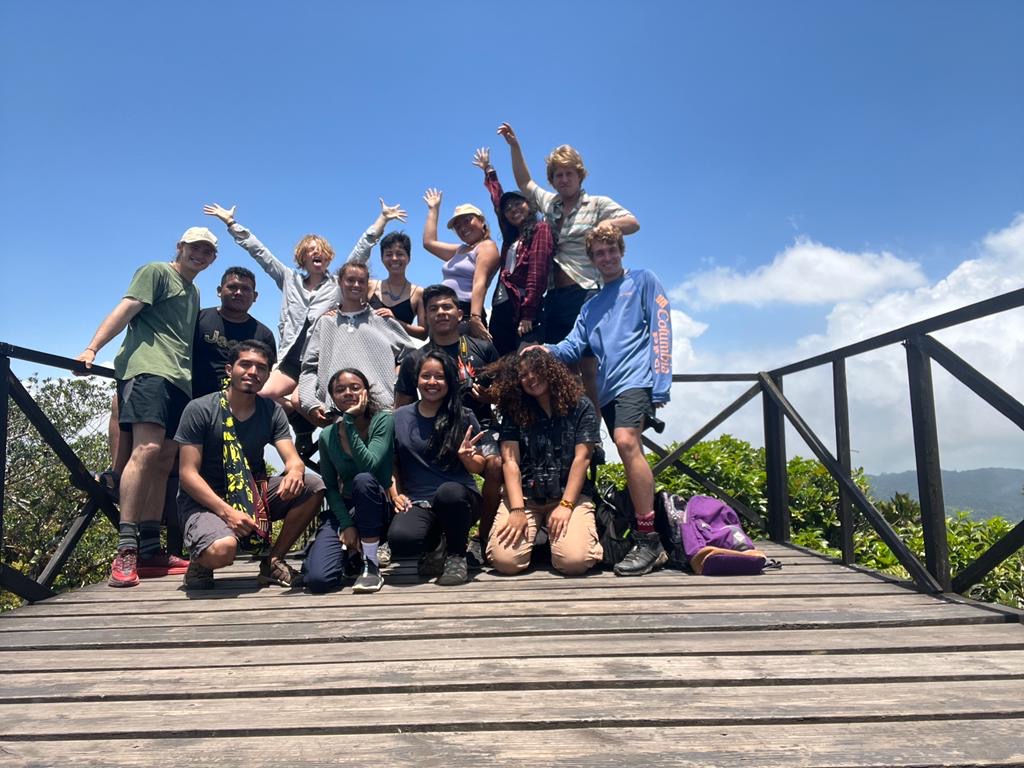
x,y
548,433
225,495
356,458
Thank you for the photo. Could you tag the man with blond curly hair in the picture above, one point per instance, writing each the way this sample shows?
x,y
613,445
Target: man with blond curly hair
x,y
571,213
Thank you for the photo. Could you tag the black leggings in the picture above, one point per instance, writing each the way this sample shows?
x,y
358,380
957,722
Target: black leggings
x,y
453,511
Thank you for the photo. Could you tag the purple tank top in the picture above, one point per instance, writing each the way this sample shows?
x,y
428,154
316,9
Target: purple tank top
x,y
457,272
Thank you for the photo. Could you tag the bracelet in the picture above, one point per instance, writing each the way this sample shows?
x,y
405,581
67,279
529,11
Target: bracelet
x,y
567,504
230,223
517,509
478,317
93,350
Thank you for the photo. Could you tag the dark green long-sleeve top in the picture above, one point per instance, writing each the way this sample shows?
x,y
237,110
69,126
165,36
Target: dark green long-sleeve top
x,y
375,455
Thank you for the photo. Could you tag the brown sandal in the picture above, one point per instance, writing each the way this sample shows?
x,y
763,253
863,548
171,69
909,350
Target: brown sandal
x,y
278,572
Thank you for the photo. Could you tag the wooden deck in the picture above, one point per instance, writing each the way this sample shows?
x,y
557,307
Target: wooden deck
x,y
813,665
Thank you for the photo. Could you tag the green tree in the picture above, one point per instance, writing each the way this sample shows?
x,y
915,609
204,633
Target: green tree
x,y
40,501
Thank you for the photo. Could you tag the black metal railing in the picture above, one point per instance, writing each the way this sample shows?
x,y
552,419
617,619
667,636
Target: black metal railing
x,y
934,574
97,498
931,576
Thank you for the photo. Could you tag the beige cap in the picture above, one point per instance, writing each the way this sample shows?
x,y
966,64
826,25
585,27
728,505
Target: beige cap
x,y
198,235
463,210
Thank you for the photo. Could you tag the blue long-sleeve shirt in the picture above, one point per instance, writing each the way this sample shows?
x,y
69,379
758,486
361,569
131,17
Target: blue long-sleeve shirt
x,y
628,325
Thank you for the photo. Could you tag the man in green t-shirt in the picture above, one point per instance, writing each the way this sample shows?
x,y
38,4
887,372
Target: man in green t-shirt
x,y
154,384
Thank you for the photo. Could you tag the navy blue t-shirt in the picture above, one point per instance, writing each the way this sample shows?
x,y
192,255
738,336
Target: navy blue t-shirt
x,y
419,478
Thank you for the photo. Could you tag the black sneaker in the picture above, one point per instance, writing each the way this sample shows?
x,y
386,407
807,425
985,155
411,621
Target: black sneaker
x,y
475,555
646,555
353,565
369,580
455,571
432,563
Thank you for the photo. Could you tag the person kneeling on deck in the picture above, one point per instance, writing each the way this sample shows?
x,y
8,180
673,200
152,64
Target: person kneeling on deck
x,y
225,495
628,325
548,433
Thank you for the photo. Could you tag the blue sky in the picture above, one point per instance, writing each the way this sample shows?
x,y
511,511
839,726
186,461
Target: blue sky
x,y
887,134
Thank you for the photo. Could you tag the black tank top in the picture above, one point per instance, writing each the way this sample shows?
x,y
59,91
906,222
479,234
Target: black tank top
x,y
403,310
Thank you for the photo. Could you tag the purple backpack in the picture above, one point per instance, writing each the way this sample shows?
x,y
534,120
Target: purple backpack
x,y
708,522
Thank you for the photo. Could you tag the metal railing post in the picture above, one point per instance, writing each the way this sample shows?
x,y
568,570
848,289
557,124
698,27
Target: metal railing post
x,y
929,469
841,409
777,496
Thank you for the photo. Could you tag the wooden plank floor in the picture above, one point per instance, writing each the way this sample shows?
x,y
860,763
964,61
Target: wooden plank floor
x,y
813,665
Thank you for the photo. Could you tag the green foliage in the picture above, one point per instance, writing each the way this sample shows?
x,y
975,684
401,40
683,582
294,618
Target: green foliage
x,y
40,500
738,468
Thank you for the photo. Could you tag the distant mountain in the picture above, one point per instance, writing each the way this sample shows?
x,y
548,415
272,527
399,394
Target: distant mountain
x,y
985,492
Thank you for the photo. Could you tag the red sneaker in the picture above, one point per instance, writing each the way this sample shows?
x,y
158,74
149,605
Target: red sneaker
x,y
161,564
123,571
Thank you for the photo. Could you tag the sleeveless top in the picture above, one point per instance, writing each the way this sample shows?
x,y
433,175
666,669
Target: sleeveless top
x,y
457,272
403,310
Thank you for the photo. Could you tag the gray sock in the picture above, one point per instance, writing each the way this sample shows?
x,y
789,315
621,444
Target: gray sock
x,y
149,538
127,536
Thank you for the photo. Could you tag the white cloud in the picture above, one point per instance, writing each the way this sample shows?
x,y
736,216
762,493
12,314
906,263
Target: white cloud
x,y
684,329
971,434
806,272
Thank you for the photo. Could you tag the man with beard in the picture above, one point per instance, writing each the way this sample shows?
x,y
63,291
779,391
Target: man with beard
x,y
225,494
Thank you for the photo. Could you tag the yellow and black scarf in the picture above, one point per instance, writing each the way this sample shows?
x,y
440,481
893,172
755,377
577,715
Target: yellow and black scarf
x,y
243,491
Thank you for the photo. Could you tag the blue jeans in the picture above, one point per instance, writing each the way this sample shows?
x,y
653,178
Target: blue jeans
x,y
324,568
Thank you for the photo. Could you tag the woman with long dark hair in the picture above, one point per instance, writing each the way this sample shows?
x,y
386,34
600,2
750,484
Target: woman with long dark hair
x,y
548,433
527,246
439,446
355,462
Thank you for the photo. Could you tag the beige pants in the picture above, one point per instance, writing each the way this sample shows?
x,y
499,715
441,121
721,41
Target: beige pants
x,y
576,552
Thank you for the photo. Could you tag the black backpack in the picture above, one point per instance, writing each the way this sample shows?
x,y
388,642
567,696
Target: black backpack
x,y
613,510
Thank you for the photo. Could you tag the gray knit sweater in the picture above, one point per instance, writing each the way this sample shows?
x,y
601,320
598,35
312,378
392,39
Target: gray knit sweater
x,y
363,341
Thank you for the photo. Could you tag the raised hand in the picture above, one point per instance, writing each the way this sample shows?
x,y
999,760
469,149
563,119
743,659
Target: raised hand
x,y
226,215
468,448
390,212
506,132
482,159
432,197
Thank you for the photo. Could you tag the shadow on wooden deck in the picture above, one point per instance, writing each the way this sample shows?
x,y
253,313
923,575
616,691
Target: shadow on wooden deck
x,y
813,665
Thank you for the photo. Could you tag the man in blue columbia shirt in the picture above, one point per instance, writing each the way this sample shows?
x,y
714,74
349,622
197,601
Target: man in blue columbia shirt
x,y
628,326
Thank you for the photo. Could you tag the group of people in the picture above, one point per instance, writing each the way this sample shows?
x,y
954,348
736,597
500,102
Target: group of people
x,y
415,390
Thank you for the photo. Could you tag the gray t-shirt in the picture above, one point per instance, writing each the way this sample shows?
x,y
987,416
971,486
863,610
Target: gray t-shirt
x,y
202,424
419,476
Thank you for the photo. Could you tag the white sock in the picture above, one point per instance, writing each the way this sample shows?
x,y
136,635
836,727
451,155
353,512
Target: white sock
x,y
370,552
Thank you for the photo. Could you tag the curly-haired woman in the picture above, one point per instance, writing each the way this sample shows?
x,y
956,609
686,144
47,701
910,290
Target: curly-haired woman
x,y
549,430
